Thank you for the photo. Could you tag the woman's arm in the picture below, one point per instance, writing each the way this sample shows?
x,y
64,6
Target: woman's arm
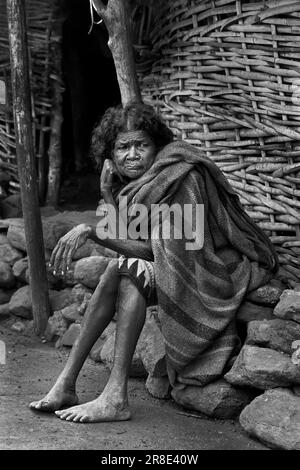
x,y
62,254
129,248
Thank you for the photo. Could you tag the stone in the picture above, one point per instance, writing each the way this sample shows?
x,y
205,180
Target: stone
x,y
16,234
4,311
109,330
20,303
4,224
158,387
20,270
3,239
7,278
11,206
288,307
274,334
274,419
60,299
56,327
151,348
71,335
9,254
95,353
296,352
71,313
218,399
19,327
5,295
85,250
266,295
78,293
56,226
83,306
263,368
249,311
107,355
89,270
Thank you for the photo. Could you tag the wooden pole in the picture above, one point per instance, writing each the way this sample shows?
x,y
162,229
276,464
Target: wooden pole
x,y
116,18
55,150
26,165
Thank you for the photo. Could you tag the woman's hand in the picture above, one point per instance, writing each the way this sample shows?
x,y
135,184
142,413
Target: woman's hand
x,y
62,254
106,178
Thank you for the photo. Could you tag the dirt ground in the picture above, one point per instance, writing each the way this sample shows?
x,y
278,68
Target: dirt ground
x,y
32,366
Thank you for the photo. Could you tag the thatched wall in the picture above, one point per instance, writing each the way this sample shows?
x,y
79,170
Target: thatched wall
x,y
226,79
42,42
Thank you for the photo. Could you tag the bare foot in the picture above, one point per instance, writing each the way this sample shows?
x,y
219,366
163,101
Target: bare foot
x,y
58,397
104,408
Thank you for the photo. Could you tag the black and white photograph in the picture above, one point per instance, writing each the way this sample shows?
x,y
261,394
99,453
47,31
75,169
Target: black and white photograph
x,y
149,230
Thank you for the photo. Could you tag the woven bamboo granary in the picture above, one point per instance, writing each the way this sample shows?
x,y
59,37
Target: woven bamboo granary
x,y
226,78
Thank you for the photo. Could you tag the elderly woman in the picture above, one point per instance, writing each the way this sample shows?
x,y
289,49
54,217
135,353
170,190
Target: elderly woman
x,y
198,292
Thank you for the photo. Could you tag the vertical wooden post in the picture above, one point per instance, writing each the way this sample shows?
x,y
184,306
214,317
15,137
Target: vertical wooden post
x,y
26,165
116,18
55,151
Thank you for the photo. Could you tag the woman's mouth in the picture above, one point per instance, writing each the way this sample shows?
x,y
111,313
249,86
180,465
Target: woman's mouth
x,y
132,167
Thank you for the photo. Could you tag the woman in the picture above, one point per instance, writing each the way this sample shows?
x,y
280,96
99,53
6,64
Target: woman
x,y
198,291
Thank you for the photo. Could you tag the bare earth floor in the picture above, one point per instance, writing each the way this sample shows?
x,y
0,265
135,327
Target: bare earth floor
x,y
30,371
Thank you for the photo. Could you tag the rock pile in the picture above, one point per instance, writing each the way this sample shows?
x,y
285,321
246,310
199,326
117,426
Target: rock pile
x,y
269,361
262,383
69,298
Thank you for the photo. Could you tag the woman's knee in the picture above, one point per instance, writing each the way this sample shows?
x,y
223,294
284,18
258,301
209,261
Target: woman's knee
x,y
128,288
109,280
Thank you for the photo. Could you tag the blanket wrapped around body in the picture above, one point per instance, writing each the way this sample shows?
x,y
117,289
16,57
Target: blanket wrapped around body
x,y
199,292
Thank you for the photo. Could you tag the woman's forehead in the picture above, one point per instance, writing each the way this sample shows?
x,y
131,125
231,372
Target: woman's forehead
x,y
132,135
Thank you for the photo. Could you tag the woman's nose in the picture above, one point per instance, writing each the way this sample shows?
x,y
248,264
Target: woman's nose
x,y
132,152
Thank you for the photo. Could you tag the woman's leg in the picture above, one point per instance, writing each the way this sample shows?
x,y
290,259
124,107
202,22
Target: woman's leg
x,y
112,404
100,312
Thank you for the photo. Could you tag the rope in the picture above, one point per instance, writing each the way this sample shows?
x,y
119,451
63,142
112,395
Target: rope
x,y
92,8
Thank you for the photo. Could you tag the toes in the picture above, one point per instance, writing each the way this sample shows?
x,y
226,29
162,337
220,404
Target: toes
x,y
77,419
71,417
39,405
65,414
84,419
34,405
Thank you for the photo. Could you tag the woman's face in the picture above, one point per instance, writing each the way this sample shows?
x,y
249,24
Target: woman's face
x,y
134,153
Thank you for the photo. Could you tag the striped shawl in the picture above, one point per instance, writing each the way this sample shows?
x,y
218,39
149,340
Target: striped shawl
x,y
199,292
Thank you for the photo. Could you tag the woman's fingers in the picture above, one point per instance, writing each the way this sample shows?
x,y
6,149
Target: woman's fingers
x,y
53,255
58,258
64,256
69,257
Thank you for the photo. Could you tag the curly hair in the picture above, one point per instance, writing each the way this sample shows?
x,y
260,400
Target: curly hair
x,y
137,116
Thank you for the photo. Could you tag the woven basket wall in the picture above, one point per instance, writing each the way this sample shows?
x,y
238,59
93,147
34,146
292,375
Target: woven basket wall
x,y
227,79
40,38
